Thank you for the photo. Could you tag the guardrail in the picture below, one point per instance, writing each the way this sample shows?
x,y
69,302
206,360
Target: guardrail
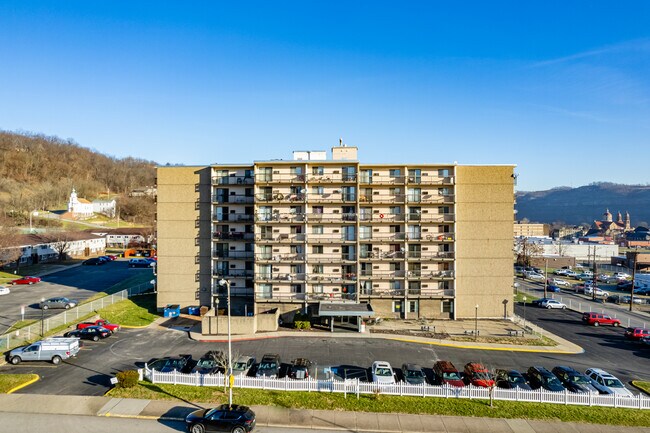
x,y
356,387
22,336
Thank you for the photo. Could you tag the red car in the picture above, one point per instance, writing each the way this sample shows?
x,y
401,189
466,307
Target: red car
x,y
27,280
597,319
446,374
636,333
477,375
100,322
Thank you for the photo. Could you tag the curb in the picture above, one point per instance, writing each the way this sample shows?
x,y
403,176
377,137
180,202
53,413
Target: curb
x,y
135,327
148,417
23,385
639,388
479,347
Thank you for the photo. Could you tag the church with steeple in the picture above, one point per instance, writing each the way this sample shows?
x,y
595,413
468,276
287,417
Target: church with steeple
x,y
81,208
608,227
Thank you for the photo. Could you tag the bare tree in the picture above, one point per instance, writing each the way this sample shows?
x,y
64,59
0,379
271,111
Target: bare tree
x,y
9,240
62,243
526,250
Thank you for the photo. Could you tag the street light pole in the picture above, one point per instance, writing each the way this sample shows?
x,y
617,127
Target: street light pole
x,y
545,276
476,322
633,278
230,376
42,315
524,314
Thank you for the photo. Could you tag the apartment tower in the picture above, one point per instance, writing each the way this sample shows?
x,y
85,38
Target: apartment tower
x,y
411,240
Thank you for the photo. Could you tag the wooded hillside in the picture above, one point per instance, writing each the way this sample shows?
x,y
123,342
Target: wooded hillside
x,y
38,172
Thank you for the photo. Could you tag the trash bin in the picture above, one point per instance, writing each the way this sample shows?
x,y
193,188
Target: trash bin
x,y
193,311
172,310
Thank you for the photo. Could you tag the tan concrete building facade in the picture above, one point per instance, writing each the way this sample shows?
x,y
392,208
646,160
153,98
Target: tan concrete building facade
x,y
413,241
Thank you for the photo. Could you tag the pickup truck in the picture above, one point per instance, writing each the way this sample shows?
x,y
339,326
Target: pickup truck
x,y
50,349
100,322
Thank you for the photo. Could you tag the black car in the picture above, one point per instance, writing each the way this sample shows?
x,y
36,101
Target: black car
x,y
182,364
511,379
210,363
90,333
299,368
269,366
95,261
574,381
235,419
539,377
413,374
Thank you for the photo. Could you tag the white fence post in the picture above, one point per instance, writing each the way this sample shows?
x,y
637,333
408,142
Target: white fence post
x,y
65,317
357,388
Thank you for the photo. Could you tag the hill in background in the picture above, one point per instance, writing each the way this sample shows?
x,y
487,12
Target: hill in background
x,y
585,204
38,172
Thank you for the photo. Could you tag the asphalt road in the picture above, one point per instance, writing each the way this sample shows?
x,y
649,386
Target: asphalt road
x,y
78,283
82,424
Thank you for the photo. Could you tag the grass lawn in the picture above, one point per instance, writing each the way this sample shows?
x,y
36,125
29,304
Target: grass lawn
x,y
645,386
139,310
389,404
519,297
10,381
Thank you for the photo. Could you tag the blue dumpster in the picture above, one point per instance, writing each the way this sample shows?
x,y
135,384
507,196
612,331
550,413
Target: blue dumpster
x,y
172,310
194,311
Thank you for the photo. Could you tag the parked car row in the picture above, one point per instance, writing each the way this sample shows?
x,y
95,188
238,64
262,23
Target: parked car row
x,y
443,372
98,261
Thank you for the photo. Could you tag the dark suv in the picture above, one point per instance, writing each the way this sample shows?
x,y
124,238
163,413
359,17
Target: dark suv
x,y
269,366
511,379
573,380
539,377
233,418
299,368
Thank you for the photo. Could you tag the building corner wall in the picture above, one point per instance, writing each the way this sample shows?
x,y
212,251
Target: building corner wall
x,y
484,241
183,223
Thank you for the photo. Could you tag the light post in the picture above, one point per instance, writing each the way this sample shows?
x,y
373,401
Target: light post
x,y
545,275
633,278
42,315
476,322
524,298
231,378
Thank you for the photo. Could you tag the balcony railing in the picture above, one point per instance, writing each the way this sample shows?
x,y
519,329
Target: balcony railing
x,y
281,237
331,178
378,254
280,217
382,236
437,237
280,197
378,179
329,277
280,276
334,257
233,198
301,297
428,255
330,237
279,257
237,236
429,198
233,273
232,254
331,217
233,180
381,198
426,274
382,217
242,217
388,293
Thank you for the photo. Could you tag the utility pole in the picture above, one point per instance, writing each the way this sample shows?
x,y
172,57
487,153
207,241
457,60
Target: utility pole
x,y
633,277
545,276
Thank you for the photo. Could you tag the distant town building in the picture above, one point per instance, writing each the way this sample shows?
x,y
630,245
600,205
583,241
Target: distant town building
x,y
570,232
147,191
81,208
38,248
640,237
531,229
607,227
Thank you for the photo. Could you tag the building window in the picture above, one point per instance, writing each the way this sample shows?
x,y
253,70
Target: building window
x,y
318,190
317,249
395,210
447,306
317,230
317,288
317,269
397,306
394,172
443,172
265,291
395,285
413,306
317,171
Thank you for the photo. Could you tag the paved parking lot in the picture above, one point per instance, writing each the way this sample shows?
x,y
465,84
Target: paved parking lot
x,y
79,282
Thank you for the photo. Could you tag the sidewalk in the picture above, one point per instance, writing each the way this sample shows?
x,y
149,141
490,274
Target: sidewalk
x,y
272,416
409,332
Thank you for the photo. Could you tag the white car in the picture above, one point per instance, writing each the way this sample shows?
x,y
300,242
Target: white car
x,y
621,275
560,282
553,304
382,373
599,292
608,380
4,290
534,276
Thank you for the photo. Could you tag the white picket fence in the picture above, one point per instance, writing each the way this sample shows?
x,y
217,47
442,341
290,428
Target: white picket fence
x,y
356,387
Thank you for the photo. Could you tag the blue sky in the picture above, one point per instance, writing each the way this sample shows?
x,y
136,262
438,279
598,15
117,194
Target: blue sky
x,y
562,89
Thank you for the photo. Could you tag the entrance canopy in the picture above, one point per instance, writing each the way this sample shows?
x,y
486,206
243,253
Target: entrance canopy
x,y
345,309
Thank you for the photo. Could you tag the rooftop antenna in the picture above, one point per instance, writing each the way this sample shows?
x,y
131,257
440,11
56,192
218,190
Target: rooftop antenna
x,y
340,141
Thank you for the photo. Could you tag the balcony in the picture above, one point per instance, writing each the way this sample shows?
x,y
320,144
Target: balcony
x,y
280,297
431,180
281,237
428,255
431,293
236,217
437,237
234,291
381,255
433,218
382,217
283,217
233,180
331,217
367,237
232,273
381,198
381,180
332,277
331,258
237,255
280,277
261,178
332,178
279,197
376,274
234,236
429,198
411,293
330,238
429,275
233,198
264,257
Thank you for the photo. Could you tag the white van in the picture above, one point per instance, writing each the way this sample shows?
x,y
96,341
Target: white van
x,y
50,349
